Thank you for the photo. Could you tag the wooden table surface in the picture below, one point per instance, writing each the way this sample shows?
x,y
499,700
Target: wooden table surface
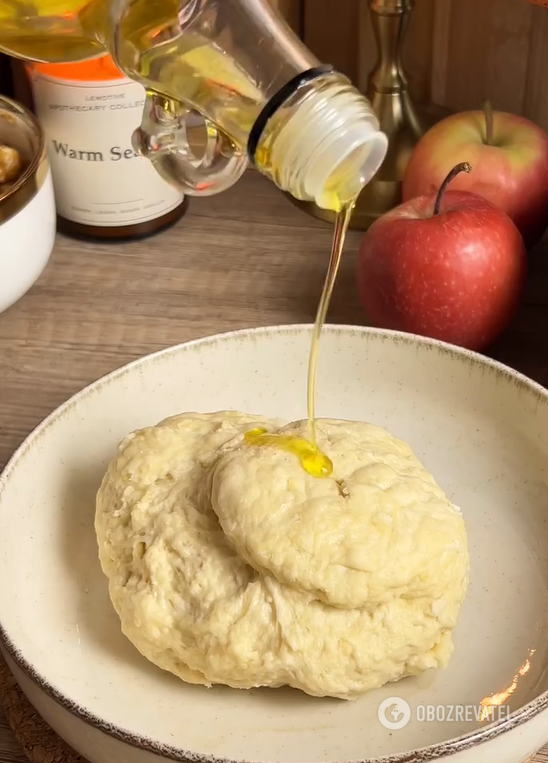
x,y
244,258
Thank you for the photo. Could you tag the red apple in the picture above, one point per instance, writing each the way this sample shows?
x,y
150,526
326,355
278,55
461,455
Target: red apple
x,y
450,266
509,155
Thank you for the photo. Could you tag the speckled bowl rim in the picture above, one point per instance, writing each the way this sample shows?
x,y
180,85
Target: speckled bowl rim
x,y
419,755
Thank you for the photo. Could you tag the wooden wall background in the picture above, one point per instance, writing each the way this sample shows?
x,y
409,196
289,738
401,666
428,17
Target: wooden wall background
x,y
457,52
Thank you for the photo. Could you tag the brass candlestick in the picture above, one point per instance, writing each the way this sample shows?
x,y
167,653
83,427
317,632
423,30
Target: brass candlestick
x,y
389,95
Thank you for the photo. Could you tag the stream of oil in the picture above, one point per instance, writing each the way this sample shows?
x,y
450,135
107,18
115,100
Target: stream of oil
x,y
312,459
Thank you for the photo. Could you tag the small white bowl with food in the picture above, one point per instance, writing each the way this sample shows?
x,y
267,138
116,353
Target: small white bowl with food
x,y
27,205
190,579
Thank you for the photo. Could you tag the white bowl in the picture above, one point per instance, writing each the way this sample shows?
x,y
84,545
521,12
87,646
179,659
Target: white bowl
x,y
27,209
479,427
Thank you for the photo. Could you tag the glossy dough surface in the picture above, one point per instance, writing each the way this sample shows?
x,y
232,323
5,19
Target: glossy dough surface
x,y
229,564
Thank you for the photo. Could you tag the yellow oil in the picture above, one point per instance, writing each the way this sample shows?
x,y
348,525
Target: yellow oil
x,y
341,226
190,68
312,459
53,30
184,67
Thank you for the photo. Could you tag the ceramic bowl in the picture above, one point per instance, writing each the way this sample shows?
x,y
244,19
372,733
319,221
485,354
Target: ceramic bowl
x,y
27,207
480,428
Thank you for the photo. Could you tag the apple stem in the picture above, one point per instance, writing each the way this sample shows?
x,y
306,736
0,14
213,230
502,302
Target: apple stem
x,y
464,167
488,111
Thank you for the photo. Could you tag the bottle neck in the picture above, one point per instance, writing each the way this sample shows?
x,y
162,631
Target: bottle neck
x,y
322,144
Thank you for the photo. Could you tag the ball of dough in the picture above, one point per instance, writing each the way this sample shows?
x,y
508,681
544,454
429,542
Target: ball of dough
x,y
380,528
197,603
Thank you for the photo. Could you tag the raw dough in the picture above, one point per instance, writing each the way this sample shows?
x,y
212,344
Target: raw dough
x,y
229,564
380,529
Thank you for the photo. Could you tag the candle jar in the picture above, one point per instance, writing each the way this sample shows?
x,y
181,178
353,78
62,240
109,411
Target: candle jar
x,y
103,188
